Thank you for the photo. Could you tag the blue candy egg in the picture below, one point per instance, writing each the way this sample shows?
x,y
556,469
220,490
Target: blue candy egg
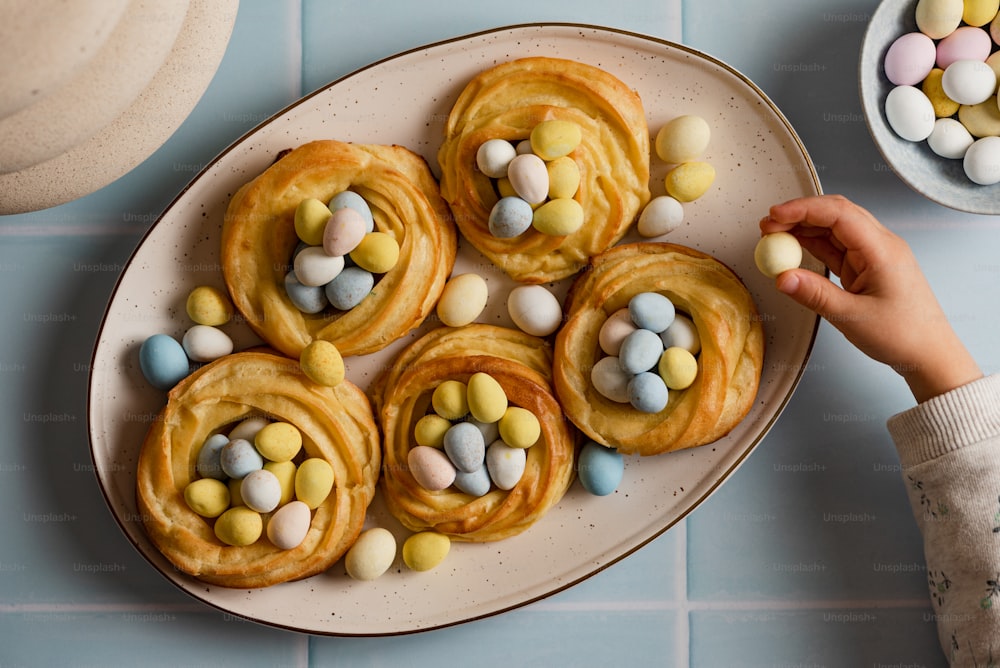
x,y
651,310
209,464
306,298
600,468
640,351
647,392
510,217
351,200
238,458
465,447
349,288
476,483
163,361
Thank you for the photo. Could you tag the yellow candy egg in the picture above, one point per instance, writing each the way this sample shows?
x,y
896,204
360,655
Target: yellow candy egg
x,y
239,526
982,120
430,430
487,400
683,139
311,216
980,12
505,188
463,299
678,368
776,253
235,495
371,555
558,217
450,400
285,473
689,181
943,105
554,139
313,482
278,441
378,253
425,550
564,177
519,428
939,18
322,362
209,306
207,496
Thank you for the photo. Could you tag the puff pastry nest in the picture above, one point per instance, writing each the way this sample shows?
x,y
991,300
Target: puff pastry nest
x,y
258,240
507,102
522,365
337,424
729,366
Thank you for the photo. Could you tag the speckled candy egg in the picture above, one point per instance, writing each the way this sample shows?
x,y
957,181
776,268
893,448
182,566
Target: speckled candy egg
x,y
289,525
371,555
534,309
662,215
463,299
261,491
425,550
600,469
505,464
529,178
493,156
464,445
614,331
431,468
510,217
204,343
163,361
610,380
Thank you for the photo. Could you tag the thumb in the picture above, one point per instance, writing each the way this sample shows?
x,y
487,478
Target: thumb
x,y
817,293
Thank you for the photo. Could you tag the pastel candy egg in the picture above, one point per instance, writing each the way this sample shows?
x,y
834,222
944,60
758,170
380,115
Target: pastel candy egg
x,y
994,29
519,428
261,491
425,550
349,288
979,12
463,299
313,267
614,331
776,253
378,253
529,178
909,59
938,18
247,429
279,441
505,464
490,430
207,496
431,468
371,555
289,525
564,177
204,343
313,481
239,457
950,139
689,181
235,498
965,43
682,333
555,138
510,217
505,189
464,445
450,399
285,473
207,305
208,464
682,139
610,380
523,146
981,120
322,362
982,161
660,216
311,216
343,232
430,430
493,156
475,483
678,368
600,469
969,81
486,397
651,310
352,200
647,392
239,526
306,298
932,87
909,112
534,309
640,351
163,361
558,217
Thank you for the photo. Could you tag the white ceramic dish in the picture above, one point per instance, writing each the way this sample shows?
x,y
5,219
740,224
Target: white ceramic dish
x,y
405,99
936,178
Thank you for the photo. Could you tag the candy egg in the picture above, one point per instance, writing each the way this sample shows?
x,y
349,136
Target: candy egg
x,y
776,253
965,43
450,399
640,351
378,253
493,156
510,217
647,392
349,288
209,464
558,217
682,333
464,297
313,481
910,113
490,430
475,483
431,468
969,81
689,181
311,216
207,305
553,139
534,309
909,59
982,161
207,496
261,491
313,267
614,331
564,177
306,298
278,441
235,498
430,430
505,464
323,364
938,18
979,12
610,380
931,86
343,232
519,428
163,361
660,216
239,457
651,310
425,550
285,473
371,555
289,525
247,429
486,397
239,526
352,200
678,368
981,120
204,343
600,469
682,139
529,178
464,445
950,139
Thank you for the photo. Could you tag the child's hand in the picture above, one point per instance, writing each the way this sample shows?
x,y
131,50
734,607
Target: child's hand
x,y
886,307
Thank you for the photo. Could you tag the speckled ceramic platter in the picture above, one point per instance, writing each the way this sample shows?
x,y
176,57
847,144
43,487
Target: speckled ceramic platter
x,y
405,100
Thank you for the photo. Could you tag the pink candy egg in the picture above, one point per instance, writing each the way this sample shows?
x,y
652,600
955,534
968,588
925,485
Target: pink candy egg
x,y
910,59
343,232
966,43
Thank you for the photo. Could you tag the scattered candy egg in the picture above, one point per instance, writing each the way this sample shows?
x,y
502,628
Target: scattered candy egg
x,y
313,267
682,333
519,428
909,59
558,217
239,526
910,113
529,178
534,309
600,469
247,429
969,81
647,392
163,361
207,496
289,525
982,161
979,12
343,232
261,491
614,331
553,139
313,481
486,397
378,253
311,216
506,464
493,156
610,380
208,464
371,555
931,86
306,298
949,139
463,299
425,550
204,343
239,457
678,368
651,310
475,483
352,200
510,217
564,177
938,18
965,43
464,445
431,468
349,288
689,181
322,362
285,473
278,441
777,252
207,305
682,139
662,215
640,351
430,430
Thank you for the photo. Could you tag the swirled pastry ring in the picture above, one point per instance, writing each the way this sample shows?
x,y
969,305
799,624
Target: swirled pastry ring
x,y
730,362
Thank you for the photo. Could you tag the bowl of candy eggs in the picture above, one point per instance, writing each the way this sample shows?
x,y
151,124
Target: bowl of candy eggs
x,y
928,82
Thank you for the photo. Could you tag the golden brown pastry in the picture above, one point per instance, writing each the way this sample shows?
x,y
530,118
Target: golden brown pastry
x,y
507,102
522,365
729,365
258,240
337,424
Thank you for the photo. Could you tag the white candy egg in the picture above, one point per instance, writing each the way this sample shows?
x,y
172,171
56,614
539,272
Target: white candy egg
x,y
534,309
910,113
204,343
949,139
969,81
982,161
313,267
662,215
529,178
610,380
261,491
371,555
614,330
493,157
